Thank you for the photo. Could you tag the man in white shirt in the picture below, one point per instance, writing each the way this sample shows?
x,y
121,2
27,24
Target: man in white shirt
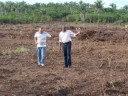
x,y
40,39
65,39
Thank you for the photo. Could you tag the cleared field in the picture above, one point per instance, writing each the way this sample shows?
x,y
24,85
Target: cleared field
x,y
99,58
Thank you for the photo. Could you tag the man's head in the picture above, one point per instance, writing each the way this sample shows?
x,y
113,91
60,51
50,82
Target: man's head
x,y
64,28
41,29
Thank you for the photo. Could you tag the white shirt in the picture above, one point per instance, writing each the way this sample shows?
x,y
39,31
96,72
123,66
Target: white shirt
x,y
41,38
66,36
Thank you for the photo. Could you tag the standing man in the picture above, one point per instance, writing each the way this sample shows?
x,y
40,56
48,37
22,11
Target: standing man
x,y
66,42
40,39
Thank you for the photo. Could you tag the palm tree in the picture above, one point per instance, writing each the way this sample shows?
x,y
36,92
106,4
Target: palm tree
x,y
83,8
1,8
125,7
113,6
98,7
72,6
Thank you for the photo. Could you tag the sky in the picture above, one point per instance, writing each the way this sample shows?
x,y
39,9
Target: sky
x,y
119,3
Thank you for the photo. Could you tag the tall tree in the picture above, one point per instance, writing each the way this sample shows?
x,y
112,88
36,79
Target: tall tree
x,y
113,6
125,7
98,7
1,8
83,8
72,6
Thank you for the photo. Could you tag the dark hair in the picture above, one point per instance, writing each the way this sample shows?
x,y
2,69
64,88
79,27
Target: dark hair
x,y
64,28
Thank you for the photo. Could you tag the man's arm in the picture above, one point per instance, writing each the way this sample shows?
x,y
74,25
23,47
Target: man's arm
x,y
35,39
78,33
75,34
60,41
49,35
60,44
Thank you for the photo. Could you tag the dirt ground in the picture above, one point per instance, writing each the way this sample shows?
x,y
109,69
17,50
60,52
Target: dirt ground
x,y
99,62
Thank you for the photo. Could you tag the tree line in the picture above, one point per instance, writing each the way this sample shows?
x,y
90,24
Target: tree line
x,y
21,12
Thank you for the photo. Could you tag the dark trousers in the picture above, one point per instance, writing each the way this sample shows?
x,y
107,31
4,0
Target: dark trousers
x,y
67,54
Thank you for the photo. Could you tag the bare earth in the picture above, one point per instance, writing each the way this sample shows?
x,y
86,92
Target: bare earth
x,y
99,59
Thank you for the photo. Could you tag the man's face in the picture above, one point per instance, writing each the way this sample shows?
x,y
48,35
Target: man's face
x,y
41,29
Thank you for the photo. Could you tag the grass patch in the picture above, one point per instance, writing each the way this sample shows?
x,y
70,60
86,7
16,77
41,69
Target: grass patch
x,y
16,51
21,50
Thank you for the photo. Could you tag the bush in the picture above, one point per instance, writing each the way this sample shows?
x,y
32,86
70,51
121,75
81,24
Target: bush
x,y
72,18
45,18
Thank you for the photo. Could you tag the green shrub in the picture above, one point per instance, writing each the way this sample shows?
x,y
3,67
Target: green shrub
x,y
72,18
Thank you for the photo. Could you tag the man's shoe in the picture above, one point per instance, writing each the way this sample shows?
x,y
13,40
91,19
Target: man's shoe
x,y
69,66
42,64
65,66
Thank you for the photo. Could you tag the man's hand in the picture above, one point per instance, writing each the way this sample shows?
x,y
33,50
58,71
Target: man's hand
x,y
78,31
60,48
60,45
36,43
35,39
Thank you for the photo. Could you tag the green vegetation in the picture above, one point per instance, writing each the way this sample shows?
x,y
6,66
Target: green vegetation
x,y
21,12
16,51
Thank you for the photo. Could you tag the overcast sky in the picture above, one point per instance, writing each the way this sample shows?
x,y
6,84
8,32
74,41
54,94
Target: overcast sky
x,y
119,3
